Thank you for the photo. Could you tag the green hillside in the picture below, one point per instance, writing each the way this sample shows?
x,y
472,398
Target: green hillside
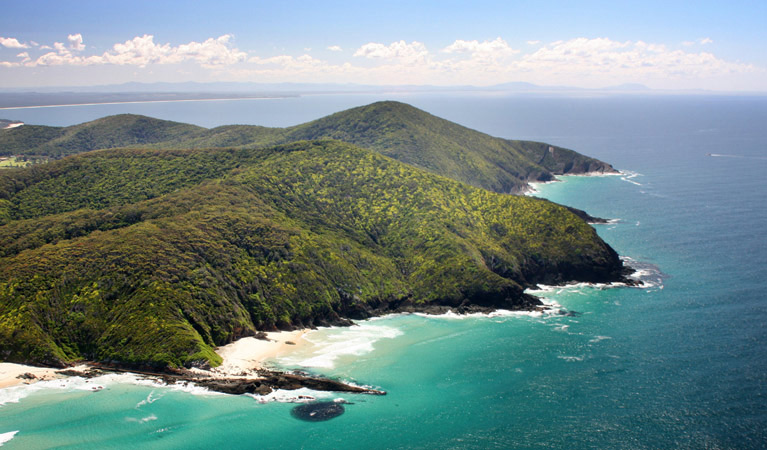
x,y
157,256
393,129
415,137
122,130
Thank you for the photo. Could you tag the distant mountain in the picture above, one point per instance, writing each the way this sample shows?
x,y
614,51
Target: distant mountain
x,y
192,88
394,129
627,87
155,257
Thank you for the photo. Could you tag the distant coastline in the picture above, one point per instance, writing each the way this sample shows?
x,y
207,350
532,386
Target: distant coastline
x,y
218,99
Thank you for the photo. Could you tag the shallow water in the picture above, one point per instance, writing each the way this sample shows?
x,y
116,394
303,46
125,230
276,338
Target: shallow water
x,y
679,364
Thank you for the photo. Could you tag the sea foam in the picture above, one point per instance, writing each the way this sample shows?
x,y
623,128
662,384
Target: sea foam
x,y
15,394
302,395
5,437
649,274
629,176
450,315
327,348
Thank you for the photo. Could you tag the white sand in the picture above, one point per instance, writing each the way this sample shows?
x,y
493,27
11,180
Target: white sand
x,y
248,354
241,358
9,373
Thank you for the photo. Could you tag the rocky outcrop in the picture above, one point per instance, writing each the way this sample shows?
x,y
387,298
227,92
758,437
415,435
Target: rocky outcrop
x,y
263,383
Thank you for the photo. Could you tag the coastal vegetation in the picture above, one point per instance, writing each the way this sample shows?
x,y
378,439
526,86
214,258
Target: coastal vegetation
x,y
394,129
9,162
156,256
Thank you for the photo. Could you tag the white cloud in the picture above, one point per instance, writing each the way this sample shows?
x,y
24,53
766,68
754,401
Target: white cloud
x,y
701,41
12,43
212,52
586,62
605,59
76,42
61,48
495,48
142,51
413,52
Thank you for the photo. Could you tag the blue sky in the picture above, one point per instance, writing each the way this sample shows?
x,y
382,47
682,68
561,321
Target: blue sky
x,y
663,44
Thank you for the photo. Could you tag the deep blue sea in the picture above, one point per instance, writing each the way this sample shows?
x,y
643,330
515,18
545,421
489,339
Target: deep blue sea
x,y
679,364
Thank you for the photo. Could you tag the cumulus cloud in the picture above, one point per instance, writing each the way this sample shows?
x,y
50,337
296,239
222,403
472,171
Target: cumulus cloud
x,y
401,50
76,42
602,57
142,51
588,62
12,43
497,47
534,42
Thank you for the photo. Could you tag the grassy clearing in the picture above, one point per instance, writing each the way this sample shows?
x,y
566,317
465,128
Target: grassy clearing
x,y
12,162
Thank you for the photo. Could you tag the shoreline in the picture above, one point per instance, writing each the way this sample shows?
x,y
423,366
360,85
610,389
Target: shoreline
x,y
247,355
12,374
532,189
242,372
3,108
244,357
243,368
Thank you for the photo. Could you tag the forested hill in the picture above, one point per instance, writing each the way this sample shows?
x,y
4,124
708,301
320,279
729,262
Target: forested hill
x,y
394,129
155,257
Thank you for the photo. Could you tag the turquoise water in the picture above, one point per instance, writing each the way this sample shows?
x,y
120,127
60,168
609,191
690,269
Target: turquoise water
x,y
679,364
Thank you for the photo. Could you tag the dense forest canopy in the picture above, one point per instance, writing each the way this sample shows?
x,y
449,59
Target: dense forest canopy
x,y
159,253
393,129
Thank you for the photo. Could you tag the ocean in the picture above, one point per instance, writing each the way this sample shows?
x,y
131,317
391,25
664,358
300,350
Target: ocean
x,y
678,364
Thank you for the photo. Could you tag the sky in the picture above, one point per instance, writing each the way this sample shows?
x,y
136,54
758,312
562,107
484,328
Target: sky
x,y
669,44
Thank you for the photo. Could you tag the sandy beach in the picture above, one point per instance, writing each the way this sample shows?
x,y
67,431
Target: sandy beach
x,y
241,358
245,355
10,372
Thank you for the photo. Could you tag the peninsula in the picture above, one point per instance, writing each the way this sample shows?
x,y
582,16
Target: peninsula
x,y
152,256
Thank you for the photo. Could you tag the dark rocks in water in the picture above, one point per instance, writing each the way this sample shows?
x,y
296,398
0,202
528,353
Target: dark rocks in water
x,y
264,383
318,411
88,373
586,216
